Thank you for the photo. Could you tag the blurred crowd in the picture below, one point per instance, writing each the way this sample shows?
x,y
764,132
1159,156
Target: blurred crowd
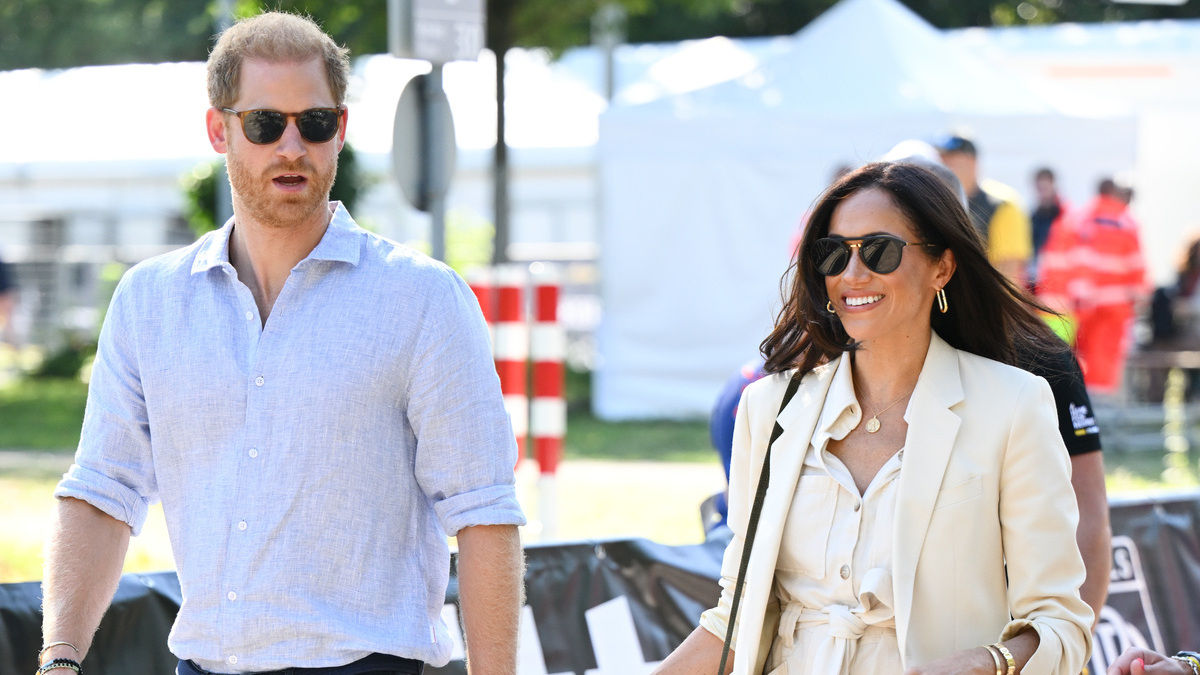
x,y
1084,262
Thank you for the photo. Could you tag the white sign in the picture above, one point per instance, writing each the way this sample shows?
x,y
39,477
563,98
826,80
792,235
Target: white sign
x,y
437,30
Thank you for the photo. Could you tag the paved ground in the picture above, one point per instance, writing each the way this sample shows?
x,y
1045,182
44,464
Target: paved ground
x,y
586,499
34,461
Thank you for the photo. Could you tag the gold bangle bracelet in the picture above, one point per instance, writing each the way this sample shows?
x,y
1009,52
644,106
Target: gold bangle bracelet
x,y
996,659
1012,664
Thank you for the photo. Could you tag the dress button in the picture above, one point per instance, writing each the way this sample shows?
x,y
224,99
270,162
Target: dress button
x,y
845,571
259,380
857,506
253,452
242,525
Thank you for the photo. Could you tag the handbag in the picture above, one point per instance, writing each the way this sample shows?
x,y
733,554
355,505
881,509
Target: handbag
x,y
760,494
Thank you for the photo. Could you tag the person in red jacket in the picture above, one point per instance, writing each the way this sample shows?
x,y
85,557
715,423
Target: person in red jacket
x,y
1092,269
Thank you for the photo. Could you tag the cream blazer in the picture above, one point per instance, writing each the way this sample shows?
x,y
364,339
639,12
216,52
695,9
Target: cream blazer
x,y
984,489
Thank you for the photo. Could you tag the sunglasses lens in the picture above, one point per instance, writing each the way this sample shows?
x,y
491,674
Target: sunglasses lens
x,y
830,256
318,126
263,126
881,255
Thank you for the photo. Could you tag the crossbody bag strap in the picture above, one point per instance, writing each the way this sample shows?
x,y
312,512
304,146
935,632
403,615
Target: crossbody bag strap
x,y
760,494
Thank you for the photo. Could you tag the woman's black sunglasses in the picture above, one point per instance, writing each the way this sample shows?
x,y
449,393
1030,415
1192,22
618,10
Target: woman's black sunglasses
x,y
881,253
261,127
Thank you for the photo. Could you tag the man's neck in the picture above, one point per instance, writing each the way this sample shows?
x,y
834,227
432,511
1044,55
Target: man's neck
x,y
264,255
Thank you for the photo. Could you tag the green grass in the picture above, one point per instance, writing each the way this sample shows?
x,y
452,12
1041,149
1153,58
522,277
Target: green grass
x,y
662,441
614,474
41,414
652,440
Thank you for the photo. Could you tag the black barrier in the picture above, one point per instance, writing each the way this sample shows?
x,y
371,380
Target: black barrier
x,y
618,607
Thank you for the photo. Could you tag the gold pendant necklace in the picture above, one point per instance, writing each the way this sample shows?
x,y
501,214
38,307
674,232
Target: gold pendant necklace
x,y
874,424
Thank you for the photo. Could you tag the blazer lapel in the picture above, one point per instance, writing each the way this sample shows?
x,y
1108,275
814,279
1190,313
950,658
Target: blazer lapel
x,y
932,431
799,420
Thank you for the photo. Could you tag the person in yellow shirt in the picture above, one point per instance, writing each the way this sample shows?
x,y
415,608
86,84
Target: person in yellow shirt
x,y
994,207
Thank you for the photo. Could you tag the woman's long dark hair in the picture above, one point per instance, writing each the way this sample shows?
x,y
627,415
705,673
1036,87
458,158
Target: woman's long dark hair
x,y
988,316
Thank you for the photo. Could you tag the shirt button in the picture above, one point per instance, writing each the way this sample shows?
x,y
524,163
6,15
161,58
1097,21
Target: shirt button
x,y
253,452
241,526
232,660
231,595
249,316
259,380
845,572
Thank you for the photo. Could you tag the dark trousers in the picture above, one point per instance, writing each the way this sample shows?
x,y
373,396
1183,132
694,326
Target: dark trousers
x,y
375,664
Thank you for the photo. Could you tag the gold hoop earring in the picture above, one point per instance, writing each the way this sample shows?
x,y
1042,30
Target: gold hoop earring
x,y
943,304
829,307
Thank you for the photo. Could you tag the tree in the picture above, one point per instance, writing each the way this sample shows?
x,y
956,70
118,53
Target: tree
x,y
66,33
36,33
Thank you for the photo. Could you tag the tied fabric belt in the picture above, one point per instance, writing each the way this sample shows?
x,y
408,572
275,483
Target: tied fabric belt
x,y
375,664
845,624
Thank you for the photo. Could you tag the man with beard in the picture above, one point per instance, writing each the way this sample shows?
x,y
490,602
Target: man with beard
x,y
315,407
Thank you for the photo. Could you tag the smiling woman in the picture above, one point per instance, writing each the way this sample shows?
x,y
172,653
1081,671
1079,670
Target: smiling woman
x,y
912,459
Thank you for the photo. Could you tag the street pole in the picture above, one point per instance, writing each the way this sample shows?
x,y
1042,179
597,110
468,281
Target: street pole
x,y
433,127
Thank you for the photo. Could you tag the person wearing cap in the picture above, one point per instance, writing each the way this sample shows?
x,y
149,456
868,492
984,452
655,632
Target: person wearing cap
x,y
994,209
1092,268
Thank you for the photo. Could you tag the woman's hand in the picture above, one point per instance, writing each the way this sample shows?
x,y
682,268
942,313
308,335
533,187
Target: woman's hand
x,y
977,660
1137,661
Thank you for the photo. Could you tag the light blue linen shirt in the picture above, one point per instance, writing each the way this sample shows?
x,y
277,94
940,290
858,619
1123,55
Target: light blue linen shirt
x,y
309,470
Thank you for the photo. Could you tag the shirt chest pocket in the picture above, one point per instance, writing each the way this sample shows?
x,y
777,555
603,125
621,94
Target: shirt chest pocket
x,y
806,534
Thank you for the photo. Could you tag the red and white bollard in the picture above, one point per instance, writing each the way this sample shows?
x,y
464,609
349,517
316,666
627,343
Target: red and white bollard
x,y
501,294
548,410
510,349
483,284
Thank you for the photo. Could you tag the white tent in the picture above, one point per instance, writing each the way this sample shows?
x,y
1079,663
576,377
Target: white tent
x,y
702,192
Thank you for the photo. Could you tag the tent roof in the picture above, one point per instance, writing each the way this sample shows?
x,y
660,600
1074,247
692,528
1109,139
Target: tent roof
x,y
147,112
865,58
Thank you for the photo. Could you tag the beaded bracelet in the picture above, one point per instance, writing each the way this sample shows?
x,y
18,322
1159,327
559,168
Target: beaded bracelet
x,y
1191,659
60,664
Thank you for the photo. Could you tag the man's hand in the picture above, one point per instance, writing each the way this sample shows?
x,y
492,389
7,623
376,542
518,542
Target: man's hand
x,y
1137,661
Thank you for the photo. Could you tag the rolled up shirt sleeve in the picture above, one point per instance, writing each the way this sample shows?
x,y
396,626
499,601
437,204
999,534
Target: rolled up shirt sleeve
x,y
113,469
466,450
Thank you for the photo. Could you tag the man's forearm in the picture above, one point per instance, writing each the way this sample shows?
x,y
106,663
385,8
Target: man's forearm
x,y
491,592
84,556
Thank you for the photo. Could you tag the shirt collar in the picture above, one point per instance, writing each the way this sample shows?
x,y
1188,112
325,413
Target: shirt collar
x,y
841,411
339,243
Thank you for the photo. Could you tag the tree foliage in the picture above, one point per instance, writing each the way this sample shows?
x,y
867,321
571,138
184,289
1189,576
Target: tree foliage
x,y
63,33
